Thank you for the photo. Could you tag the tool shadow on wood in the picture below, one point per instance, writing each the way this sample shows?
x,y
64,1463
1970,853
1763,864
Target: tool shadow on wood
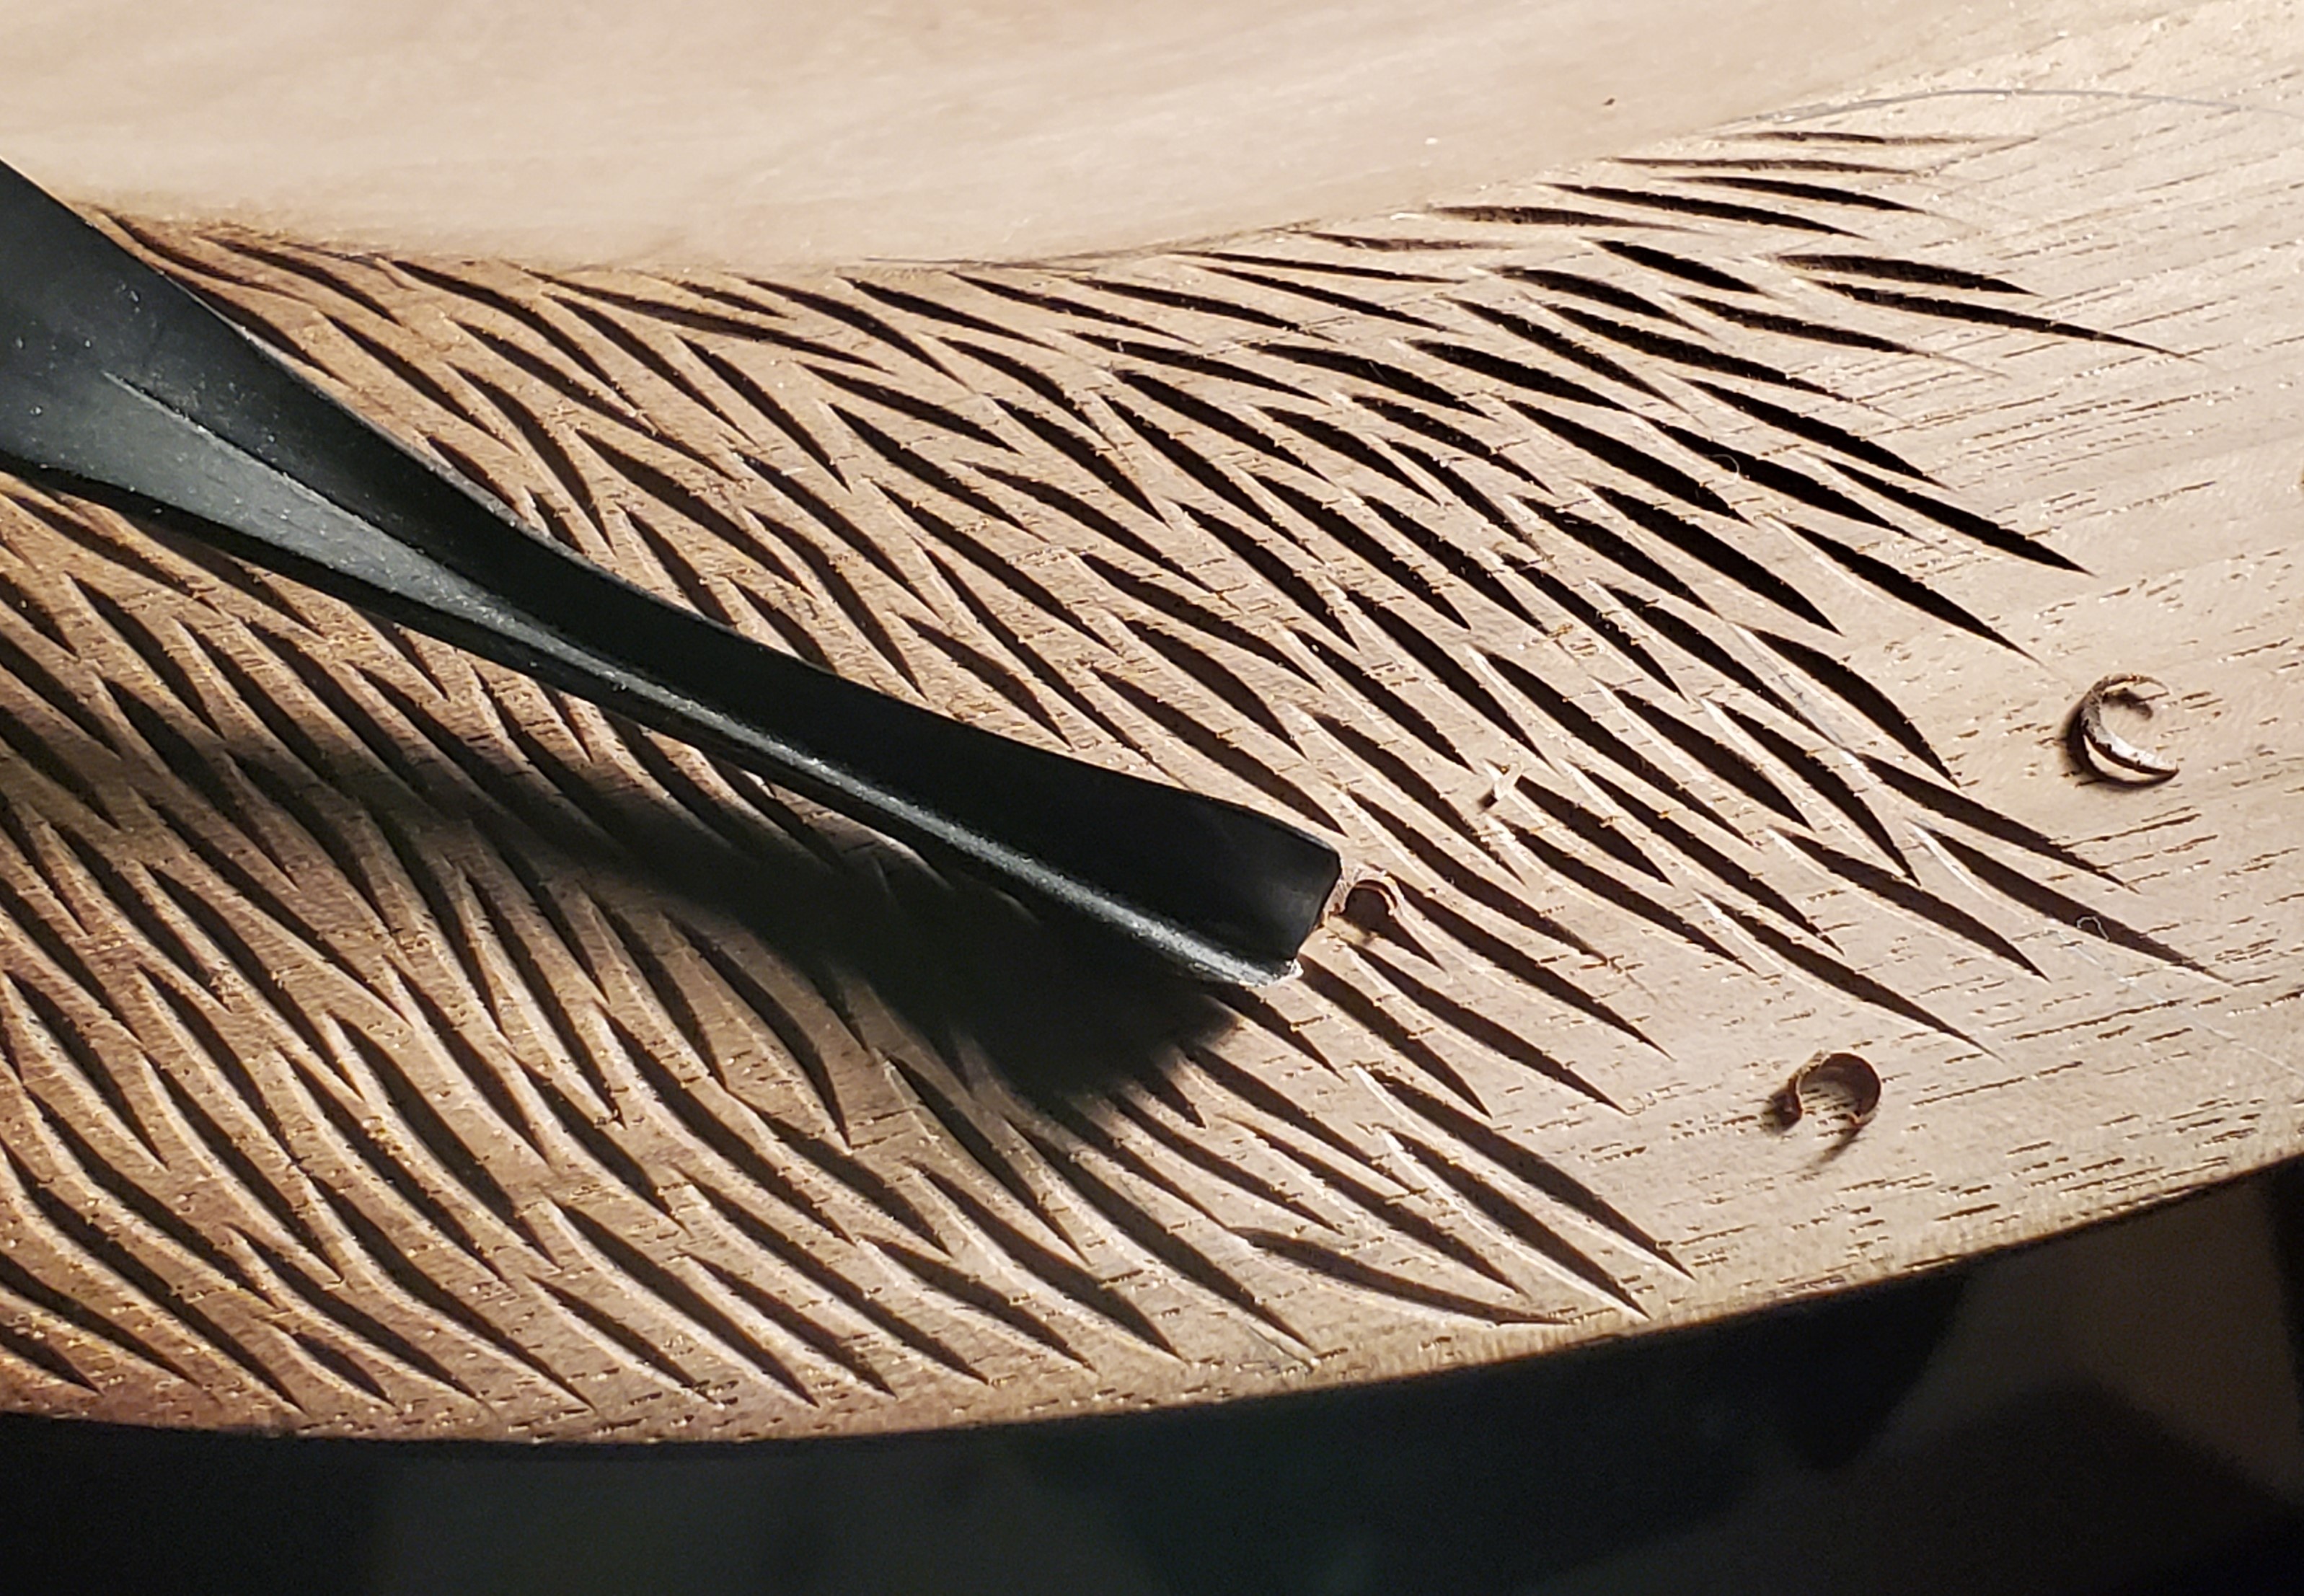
x,y
1057,1005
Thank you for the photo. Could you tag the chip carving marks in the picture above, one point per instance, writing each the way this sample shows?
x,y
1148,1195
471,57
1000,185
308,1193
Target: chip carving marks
x,y
1663,582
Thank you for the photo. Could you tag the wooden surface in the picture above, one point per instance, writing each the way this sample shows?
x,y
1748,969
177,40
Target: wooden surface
x,y
1668,579
753,132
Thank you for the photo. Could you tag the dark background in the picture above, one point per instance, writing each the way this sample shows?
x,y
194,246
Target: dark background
x,y
2115,1411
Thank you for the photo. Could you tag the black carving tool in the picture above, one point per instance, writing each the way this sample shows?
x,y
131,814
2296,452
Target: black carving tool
x,y
117,379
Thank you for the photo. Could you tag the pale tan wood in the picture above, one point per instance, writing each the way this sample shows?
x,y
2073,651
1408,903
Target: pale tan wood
x,y
742,133
393,1048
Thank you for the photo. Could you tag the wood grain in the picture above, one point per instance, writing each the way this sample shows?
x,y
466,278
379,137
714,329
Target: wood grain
x,y
1667,582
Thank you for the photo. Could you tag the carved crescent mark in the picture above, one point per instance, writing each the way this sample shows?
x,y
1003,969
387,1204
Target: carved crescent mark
x,y
2097,747
1847,1074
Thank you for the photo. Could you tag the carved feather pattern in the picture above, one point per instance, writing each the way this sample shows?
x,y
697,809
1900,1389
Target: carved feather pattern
x,y
394,1044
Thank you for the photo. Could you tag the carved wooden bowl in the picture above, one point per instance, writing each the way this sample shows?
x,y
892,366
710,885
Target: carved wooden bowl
x,y
1670,580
